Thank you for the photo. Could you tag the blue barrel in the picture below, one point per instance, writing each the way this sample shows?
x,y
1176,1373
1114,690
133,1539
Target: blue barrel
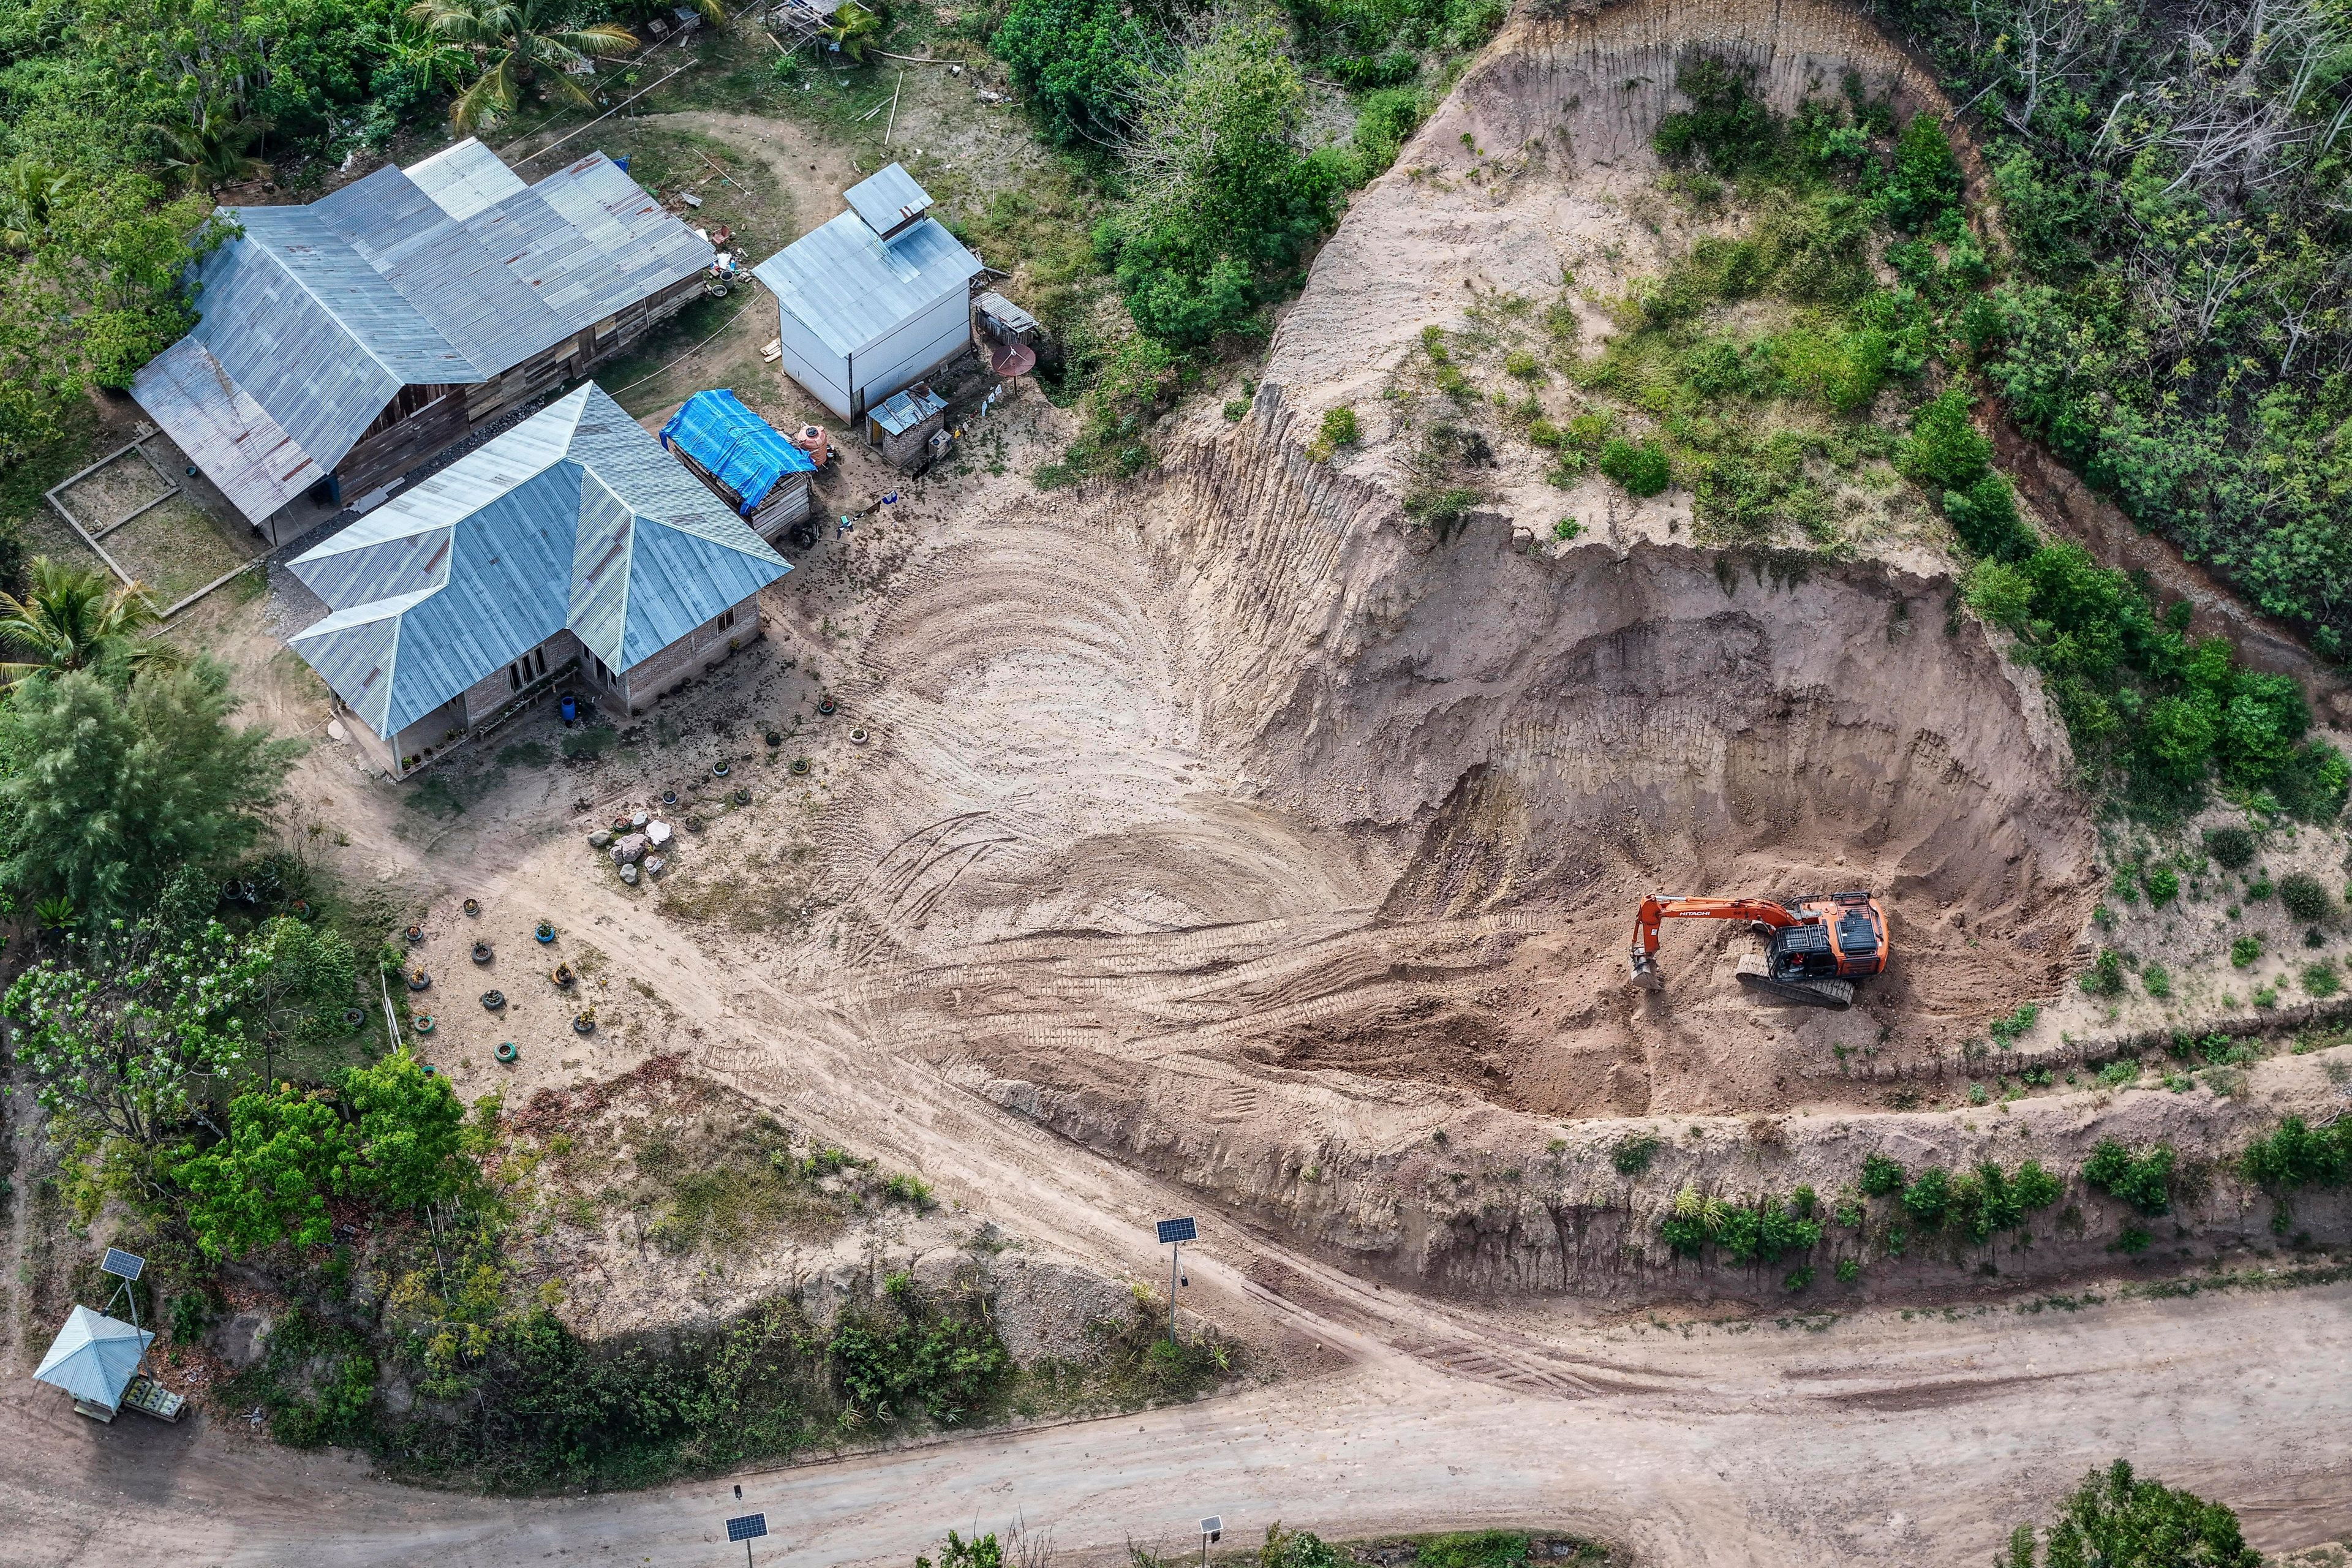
x,y
570,708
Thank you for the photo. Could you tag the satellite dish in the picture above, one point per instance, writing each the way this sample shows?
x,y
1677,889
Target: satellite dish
x,y
1016,358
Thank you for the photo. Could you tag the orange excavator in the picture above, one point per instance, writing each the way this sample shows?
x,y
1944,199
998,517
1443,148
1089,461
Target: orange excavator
x,y
1815,947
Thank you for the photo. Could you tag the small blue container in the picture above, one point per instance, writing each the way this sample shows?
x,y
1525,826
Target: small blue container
x,y
570,708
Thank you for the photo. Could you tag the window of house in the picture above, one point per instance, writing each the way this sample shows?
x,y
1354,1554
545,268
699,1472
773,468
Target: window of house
x,y
514,678
540,655
607,327
726,619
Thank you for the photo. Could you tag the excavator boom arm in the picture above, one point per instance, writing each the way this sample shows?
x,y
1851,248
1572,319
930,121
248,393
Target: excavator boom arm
x,y
1660,906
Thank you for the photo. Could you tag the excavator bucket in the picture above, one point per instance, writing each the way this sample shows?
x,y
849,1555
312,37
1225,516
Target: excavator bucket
x,y
1645,972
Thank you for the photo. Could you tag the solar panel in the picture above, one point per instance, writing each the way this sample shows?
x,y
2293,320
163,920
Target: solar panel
x,y
127,1265
1178,1230
1213,1525
749,1527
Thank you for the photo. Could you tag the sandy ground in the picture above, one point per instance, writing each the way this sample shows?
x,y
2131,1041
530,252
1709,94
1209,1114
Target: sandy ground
x,y
1219,827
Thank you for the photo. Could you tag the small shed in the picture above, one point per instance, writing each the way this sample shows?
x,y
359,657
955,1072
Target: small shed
x,y
96,1359
904,425
1007,333
872,302
745,460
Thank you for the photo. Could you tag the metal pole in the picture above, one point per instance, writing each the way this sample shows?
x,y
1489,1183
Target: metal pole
x,y
1173,1248
747,1554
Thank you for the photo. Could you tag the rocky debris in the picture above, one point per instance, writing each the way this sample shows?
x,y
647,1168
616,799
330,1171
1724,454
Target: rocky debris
x,y
629,850
658,833
629,875
600,839
1048,1310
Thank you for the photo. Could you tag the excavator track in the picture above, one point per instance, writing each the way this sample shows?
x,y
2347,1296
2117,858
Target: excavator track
x,y
1832,993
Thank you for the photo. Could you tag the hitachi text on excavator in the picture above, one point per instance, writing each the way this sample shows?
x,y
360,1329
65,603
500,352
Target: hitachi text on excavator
x,y
1814,947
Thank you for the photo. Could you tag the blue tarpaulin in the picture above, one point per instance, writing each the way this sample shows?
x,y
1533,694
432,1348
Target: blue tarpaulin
x,y
734,445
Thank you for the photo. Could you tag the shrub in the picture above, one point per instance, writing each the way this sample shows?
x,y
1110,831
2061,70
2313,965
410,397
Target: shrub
x,y
1928,1198
1881,1177
2007,1030
1339,426
2231,847
2305,896
1799,1278
2295,1156
1642,469
2143,1181
1631,1155
2320,980
1848,1271
1464,1549
1945,451
2118,1521
2156,980
1925,183
2163,885
1985,517
1074,62
2115,1075
2245,950
2106,976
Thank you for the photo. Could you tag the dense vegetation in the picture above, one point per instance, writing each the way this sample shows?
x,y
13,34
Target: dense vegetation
x,y
1758,425
2174,322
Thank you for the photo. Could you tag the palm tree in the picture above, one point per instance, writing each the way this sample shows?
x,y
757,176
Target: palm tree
x,y
30,189
74,617
212,150
520,45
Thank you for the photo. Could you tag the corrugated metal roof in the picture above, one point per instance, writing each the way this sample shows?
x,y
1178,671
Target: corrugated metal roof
x,y
888,200
575,517
318,314
223,431
464,178
908,410
1012,315
850,289
94,1357
735,446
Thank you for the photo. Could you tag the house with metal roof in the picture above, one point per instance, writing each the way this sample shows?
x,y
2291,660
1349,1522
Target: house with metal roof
x,y
874,300
572,541
342,343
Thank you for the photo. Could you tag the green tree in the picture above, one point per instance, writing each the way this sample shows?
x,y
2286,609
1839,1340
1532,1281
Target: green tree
x,y
1075,63
408,1133
979,1552
74,617
519,46
214,148
1925,183
133,1034
268,1180
308,977
2115,1520
1225,201
111,789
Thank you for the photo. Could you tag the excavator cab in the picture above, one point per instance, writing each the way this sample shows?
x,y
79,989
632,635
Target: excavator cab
x,y
1814,947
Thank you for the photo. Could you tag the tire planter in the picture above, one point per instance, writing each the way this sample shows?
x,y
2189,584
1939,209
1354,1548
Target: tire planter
x,y
826,706
800,767
473,906
482,953
585,1023
669,797
564,976
300,909
544,932
506,1051
419,980
422,1023
493,1000
416,933
353,1018
857,737
776,738
719,769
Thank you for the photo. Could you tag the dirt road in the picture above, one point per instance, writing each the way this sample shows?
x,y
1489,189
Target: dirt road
x,y
1875,1440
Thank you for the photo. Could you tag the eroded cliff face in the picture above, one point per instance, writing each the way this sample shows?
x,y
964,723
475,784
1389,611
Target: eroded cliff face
x,y
1238,828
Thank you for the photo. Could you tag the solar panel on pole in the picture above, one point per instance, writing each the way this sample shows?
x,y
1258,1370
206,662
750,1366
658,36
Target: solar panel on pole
x,y
1176,1230
747,1528
123,1265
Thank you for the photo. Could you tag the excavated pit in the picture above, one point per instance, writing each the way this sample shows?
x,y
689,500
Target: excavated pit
x,y
1229,824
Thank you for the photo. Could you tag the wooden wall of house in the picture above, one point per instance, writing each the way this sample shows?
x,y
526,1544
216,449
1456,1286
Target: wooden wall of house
x,y
400,447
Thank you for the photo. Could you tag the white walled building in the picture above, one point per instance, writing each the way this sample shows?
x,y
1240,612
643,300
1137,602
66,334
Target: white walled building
x,y
872,302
